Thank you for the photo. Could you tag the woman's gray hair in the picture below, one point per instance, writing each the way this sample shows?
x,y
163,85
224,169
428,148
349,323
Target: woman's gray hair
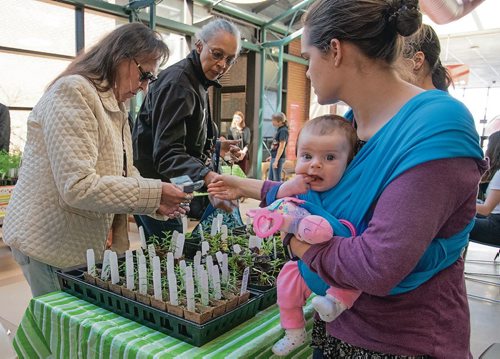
x,y
209,30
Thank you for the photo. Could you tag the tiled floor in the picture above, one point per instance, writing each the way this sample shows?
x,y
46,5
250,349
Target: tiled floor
x,y
485,313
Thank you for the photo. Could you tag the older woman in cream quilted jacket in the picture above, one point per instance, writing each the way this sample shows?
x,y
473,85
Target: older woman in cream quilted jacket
x,y
77,182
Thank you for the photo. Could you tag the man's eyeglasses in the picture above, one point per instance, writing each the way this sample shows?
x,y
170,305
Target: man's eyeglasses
x,y
145,75
218,55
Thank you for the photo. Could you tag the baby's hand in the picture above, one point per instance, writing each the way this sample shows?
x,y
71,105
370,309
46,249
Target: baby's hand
x,y
299,184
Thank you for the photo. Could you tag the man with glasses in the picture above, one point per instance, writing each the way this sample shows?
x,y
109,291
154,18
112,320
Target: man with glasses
x,y
174,134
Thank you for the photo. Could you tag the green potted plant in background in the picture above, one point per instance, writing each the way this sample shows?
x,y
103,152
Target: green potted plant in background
x,y
9,167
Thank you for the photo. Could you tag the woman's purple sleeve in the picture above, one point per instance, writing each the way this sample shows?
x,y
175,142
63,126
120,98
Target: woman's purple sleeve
x,y
432,200
265,188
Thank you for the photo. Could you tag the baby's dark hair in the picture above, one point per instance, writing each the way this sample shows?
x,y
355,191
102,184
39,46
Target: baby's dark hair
x,y
328,124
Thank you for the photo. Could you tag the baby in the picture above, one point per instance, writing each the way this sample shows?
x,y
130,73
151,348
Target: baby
x,y
325,147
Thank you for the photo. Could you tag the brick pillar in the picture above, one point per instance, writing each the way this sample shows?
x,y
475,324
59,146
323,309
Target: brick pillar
x,y
298,94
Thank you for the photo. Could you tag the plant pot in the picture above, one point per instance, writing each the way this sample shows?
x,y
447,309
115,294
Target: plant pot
x,y
158,304
143,298
219,307
115,288
243,298
127,293
175,310
232,301
88,278
101,283
202,315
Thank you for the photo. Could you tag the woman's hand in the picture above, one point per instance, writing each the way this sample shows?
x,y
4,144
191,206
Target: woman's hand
x,y
298,247
275,163
229,150
226,187
299,184
173,202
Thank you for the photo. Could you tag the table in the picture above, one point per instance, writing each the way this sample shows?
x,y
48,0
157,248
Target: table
x,y
59,325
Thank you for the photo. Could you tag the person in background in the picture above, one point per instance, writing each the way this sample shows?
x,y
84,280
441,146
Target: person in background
x,y
278,147
174,134
241,133
420,63
77,183
410,191
487,226
4,128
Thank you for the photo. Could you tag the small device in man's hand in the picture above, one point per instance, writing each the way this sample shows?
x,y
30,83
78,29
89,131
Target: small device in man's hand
x,y
186,183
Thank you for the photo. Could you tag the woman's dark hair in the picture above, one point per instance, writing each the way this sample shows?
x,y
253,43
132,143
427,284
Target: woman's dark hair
x,y
374,26
427,41
280,117
493,153
128,41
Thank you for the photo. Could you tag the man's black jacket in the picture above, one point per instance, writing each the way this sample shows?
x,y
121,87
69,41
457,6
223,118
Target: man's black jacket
x,y
173,133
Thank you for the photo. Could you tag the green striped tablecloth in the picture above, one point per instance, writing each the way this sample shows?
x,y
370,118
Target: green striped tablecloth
x,y
59,325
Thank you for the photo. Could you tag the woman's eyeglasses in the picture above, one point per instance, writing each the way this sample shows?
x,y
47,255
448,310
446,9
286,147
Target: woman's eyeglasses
x,y
145,75
218,55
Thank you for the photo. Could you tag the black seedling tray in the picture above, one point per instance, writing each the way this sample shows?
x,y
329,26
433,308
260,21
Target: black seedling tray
x,y
72,282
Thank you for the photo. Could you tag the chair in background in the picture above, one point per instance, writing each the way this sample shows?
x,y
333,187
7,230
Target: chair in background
x,y
492,277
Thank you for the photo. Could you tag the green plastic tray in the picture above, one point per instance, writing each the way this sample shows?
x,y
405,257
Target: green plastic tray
x,y
268,295
72,282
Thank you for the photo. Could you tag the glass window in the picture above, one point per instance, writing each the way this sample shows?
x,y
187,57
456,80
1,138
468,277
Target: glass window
x,y
25,77
18,129
176,44
38,26
97,25
172,10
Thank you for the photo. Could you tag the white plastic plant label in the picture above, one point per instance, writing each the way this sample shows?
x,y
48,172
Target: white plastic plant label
x,y
244,281
142,237
236,249
188,279
172,279
219,257
205,247
203,285
210,264
213,229
223,231
179,246
105,271
173,244
113,264
184,224
196,264
143,275
129,269
151,253
91,269
225,268
157,278
220,218
216,279
182,265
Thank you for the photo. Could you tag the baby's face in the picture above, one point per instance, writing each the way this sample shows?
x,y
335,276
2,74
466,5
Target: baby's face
x,y
324,158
